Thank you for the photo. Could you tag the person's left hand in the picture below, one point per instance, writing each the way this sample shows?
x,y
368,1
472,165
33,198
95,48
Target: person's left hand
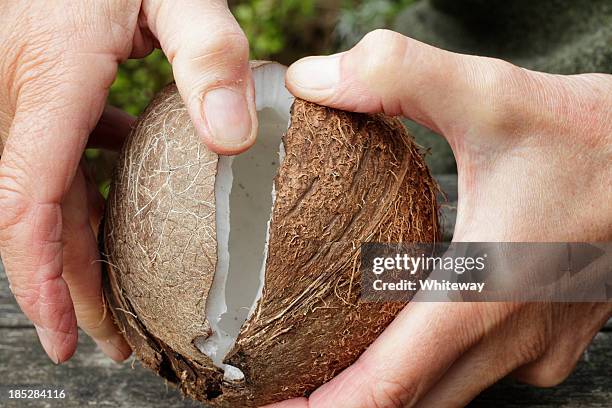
x,y
59,59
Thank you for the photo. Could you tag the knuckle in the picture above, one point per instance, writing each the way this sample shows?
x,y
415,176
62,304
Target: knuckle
x,y
228,42
385,392
549,373
35,296
26,65
221,58
27,297
14,203
390,394
497,74
23,218
382,49
91,313
382,36
377,61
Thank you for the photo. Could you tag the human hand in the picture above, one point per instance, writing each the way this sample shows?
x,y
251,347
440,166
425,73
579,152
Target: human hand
x,y
533,155
59,59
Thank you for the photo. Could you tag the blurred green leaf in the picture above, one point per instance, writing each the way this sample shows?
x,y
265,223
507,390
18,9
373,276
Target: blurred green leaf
x,y
267,23
92,154
138,80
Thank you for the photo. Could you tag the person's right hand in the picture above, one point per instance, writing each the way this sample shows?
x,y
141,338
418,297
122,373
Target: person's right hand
x,y
534,162
59,58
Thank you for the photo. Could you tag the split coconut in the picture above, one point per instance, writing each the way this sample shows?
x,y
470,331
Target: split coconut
x,y
237,277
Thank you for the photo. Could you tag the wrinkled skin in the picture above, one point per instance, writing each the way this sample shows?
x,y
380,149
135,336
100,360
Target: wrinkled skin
x,y
59,58
534,155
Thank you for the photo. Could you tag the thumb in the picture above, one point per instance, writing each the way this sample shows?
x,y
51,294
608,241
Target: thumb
x,y
388,72
210,59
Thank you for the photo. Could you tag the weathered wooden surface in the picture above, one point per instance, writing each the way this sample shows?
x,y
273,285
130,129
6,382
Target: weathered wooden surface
x,y
90,379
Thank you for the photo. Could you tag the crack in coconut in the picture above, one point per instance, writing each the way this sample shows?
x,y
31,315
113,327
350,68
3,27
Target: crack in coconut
x,y
244,197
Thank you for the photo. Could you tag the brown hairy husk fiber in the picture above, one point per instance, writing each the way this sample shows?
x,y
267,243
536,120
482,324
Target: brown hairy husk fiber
x,y
347,178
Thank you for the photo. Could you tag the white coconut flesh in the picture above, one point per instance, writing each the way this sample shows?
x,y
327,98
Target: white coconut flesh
x,y
244,194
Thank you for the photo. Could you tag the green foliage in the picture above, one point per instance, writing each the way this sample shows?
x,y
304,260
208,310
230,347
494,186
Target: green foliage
x,y
138,80
267,23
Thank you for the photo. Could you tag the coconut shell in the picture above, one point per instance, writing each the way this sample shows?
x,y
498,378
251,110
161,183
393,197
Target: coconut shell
x,y
347,178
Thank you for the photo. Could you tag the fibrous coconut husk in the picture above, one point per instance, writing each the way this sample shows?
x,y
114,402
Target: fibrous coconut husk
x,y
346,178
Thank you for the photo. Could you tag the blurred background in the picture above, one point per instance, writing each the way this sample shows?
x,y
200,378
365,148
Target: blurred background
x,y
559,36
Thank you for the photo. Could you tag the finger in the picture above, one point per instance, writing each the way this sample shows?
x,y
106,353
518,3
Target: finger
x,y
417,348
560,359
483,365
38,164
546,372
292,403
112,129
82,273
209,56
388,72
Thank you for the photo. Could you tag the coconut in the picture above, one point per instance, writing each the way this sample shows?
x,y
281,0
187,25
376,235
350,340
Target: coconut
x,y
238,277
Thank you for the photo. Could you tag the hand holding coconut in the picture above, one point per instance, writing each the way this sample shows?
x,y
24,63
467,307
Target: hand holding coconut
x,y
58,60
533,158
534,164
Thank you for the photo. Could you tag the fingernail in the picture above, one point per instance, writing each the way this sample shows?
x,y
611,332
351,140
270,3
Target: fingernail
x,y
115,347
47,344
315,73
227,113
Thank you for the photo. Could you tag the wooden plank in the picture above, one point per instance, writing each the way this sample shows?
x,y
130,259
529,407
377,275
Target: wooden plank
x,y
90,379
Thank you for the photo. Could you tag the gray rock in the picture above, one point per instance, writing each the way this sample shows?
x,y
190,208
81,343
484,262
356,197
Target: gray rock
x,y
557,36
